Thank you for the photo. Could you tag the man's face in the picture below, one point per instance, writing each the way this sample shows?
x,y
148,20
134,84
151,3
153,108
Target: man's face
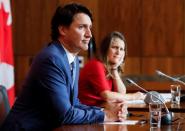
x,y
78,34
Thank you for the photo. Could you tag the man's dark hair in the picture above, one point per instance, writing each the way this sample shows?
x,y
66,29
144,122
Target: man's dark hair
x,y
65,15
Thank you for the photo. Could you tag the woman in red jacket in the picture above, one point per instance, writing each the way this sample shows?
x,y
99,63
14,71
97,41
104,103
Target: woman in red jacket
x,y
100,79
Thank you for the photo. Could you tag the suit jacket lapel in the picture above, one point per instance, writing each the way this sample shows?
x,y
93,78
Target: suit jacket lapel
x,y
68,72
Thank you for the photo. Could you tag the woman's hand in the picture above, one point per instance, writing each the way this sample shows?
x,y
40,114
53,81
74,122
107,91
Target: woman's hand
x,y
114,66
139,96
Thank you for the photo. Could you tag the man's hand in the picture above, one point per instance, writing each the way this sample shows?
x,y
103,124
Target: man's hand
x,y
116,112
122,115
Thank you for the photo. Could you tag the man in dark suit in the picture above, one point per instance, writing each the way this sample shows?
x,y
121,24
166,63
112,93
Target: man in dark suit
x,y
49,96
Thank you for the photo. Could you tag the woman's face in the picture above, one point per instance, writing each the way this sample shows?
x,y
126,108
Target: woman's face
x,y
116,52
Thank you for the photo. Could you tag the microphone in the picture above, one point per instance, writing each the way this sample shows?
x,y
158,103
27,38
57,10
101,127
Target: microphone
x,y
169,77
182,98
148,99
180,77
165,118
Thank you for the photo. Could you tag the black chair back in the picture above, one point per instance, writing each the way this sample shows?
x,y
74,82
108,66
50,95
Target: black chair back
x,y
4,104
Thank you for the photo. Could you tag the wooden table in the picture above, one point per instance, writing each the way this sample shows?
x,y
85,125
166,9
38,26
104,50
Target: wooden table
x,y
177,125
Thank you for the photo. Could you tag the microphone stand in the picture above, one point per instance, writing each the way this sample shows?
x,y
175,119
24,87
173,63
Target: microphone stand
x,y
169,77
173,79
166,118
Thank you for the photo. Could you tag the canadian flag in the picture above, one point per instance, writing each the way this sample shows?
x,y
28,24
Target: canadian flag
x,y
6,52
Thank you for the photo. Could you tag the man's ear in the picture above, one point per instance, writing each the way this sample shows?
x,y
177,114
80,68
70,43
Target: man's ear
x,y
62,30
